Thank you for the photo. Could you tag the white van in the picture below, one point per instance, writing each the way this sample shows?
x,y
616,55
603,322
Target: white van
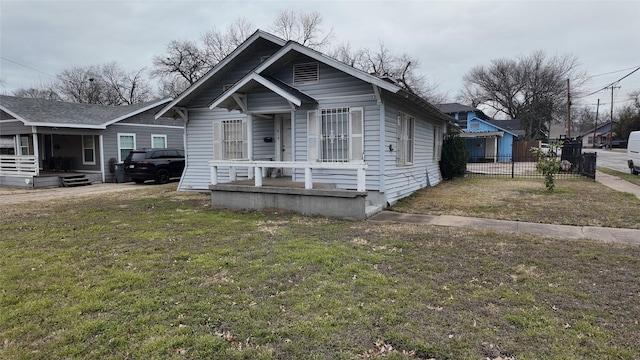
x,y
633,152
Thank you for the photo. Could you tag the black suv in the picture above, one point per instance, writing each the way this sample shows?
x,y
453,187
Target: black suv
x,y
155,164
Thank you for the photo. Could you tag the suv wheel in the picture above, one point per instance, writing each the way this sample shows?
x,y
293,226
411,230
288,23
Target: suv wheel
x,y
162,176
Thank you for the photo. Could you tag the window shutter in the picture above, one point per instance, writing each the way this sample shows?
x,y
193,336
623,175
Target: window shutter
x,y
357,134
312,135
399,143
217,140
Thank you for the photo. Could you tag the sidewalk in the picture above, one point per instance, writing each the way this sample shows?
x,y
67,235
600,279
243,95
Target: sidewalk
x,y
626,236
617,183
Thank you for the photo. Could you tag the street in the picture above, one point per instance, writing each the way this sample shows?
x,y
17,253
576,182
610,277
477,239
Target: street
x,y
613,159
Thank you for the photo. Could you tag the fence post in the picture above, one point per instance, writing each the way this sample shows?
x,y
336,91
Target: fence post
x,y
513,166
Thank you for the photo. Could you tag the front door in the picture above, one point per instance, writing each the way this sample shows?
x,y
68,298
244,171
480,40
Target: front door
x,y
287,149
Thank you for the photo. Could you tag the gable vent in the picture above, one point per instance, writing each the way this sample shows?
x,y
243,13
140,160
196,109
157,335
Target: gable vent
x,y
306,73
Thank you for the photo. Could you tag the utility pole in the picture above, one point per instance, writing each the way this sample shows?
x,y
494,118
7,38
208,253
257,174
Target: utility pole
x,y
595,126
611,118
568,111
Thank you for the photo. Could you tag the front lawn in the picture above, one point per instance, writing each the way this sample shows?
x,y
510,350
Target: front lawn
x,y
579,202
152,274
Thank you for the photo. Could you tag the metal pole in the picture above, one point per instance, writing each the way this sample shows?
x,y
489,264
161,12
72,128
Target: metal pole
x,y
595,126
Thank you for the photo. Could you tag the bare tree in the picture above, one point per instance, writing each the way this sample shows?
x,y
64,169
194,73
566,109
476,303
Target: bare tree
x,y
217,45
304,28
403,69
531,88
106,84
43,92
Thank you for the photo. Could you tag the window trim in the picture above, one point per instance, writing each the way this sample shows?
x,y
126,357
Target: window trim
x,y
405,144
120,135
23,142
154,136
438,135
92,148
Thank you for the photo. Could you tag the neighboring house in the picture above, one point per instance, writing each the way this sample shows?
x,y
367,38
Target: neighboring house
x,y
42,141
487,139
602,134
345,143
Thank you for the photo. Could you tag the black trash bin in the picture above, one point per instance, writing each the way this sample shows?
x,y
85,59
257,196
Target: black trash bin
x,y
119,173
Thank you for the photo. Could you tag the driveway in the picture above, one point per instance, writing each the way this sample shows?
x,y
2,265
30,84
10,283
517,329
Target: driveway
x,y
16,196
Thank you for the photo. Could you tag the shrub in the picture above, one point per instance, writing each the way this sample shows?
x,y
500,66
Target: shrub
x,y
454,157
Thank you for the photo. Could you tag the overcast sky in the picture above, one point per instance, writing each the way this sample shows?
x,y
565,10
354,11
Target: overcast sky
x,y
39,39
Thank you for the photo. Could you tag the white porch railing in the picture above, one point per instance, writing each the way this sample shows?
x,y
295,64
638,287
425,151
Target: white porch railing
x,y
18,165
256,169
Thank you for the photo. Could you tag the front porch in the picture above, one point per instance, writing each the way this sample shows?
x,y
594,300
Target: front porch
x,y
258,190
21,171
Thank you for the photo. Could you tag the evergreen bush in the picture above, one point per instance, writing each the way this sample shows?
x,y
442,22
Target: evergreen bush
x,y
455,156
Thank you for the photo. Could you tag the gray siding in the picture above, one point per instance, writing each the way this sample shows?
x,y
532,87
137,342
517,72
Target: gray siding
x,y
402,180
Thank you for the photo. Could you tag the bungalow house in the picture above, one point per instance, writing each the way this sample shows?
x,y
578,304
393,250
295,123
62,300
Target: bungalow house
x,y
278,125
487,139
602,135
46,143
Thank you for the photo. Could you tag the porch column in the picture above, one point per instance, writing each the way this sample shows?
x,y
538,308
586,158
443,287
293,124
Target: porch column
x,y
214,175
36,152
308,181
258,171
101,159
361,184
495,149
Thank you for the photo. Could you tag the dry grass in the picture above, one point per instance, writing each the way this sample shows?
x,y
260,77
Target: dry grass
x,y
574,202
156,274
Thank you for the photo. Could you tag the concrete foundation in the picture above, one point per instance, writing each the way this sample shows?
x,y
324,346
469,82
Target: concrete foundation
x,y
325,202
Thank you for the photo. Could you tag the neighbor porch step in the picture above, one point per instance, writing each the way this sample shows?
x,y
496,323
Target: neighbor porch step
x,y
74,180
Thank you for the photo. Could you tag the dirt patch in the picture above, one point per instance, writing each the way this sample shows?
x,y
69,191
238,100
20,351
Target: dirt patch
x,y
15,196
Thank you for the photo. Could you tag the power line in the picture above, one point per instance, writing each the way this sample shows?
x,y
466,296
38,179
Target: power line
x,y
611,72
25,66
609,86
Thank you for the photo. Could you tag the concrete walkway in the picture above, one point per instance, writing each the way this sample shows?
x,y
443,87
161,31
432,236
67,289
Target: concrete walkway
x,y
626,236
617,183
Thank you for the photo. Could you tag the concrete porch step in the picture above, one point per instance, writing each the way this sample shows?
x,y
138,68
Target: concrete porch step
x,y
74,180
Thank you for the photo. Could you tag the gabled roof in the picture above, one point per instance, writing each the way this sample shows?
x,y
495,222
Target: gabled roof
x,y
512,125
192,91
451,108
492,123
40,112
288,50
602,129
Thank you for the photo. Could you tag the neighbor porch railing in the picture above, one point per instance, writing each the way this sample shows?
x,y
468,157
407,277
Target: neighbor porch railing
x,y
256,169
18,165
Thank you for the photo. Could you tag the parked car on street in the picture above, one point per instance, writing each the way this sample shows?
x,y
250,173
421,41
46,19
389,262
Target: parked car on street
x,y
159,165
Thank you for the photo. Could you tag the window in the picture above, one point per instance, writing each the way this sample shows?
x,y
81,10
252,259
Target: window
x,y
126,143
437,143
25,149
232,136
88,150
335,135
475,125
158,141
307,73
404,155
